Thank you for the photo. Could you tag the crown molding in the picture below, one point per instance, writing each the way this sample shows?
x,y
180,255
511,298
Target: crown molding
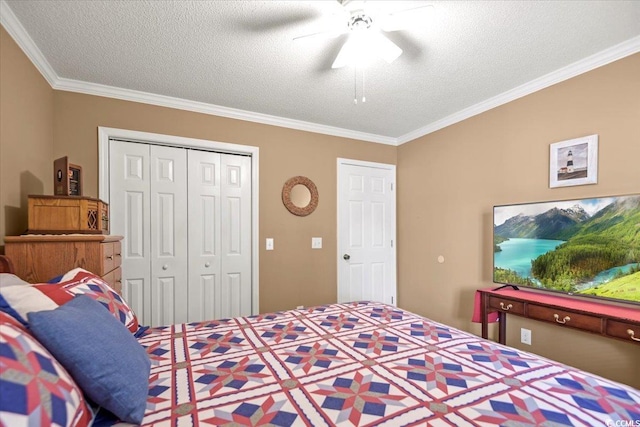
x,y
15,29
214,110
614,53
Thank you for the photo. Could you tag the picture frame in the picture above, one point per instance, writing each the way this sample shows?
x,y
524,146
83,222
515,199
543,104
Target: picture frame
x,y
573,162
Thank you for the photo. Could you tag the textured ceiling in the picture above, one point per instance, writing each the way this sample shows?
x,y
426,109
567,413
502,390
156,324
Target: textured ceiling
x,y
241,54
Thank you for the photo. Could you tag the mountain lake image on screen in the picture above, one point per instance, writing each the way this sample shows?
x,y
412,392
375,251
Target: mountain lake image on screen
x,y
587,247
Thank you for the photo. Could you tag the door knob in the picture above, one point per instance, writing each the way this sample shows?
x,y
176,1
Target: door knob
x,y
346,257
164,267
207,264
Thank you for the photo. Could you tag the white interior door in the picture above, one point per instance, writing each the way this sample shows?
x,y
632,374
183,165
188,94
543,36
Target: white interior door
x,y
366,232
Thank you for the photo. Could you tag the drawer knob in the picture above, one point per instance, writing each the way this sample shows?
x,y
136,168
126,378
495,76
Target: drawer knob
x,y
564,320
506,307
110,257
630,332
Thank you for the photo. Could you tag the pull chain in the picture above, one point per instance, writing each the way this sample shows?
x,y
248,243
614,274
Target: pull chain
x,y
364,99
355,85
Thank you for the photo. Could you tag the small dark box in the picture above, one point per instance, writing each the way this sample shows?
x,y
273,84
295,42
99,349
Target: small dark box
x,y
67,178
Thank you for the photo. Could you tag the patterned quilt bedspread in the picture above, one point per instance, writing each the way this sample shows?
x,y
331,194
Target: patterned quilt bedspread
x,y
364,364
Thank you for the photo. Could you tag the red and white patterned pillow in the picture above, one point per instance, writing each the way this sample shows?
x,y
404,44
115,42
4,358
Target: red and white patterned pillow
x,y
34,387
19,300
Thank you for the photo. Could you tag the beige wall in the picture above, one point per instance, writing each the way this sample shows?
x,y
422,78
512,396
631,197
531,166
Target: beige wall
x,y
26,136
449,181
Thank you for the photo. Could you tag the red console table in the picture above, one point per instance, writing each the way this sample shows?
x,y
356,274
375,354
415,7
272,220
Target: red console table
x,y
614,321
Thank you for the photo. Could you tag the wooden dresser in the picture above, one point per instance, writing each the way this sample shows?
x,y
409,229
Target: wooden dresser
x,y
39,258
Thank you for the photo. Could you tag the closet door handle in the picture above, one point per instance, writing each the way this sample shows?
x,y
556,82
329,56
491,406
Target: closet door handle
x,y
164,267
207,264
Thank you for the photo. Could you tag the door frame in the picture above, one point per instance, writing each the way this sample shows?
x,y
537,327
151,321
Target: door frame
x,y
343,162
106,133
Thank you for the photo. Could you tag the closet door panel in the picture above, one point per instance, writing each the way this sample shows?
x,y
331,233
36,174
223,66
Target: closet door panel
x,y
204,235
129,205
203,298
236,235
231,292
169,266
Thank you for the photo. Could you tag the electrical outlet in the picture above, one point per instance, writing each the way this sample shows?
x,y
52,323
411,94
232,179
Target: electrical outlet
x,y
316,243
525,336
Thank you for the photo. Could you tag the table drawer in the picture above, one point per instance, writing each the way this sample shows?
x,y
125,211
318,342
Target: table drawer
x,y
506,305
565,317
620,329
111,256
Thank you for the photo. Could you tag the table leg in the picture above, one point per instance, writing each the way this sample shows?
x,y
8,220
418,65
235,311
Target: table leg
x,y
483,315
502,327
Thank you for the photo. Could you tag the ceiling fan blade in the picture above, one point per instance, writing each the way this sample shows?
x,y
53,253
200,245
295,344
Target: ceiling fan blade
x,y
406,18
332,26
321,35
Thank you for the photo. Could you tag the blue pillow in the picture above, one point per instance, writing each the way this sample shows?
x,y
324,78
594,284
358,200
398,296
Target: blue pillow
x,y
99,352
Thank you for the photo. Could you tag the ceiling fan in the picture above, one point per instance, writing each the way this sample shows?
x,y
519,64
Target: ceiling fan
x,y
365,24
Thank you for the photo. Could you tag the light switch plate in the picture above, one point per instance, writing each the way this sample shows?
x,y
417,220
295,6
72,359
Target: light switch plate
x,y
316,243
269,243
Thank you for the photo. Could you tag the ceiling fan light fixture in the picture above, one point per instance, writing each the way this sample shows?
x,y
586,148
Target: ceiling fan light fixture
x,y
364,45
347,52
385,48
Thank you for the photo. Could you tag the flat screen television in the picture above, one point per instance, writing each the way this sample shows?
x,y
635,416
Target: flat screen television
x,y
587,247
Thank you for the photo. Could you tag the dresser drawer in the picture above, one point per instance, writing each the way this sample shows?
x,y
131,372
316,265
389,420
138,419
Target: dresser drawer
x,y
507,305
565,317
620,329
111,256
114,279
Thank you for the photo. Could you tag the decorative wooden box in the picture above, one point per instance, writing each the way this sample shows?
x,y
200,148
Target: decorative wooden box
x,y
67,215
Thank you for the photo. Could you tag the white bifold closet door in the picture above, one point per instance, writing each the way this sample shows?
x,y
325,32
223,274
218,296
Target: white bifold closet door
x,y
219,235
186,220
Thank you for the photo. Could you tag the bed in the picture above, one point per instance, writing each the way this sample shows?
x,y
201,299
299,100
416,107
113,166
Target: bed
x,y
361,363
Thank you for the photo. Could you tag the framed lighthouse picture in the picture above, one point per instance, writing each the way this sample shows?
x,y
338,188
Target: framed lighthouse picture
x,y
574,162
